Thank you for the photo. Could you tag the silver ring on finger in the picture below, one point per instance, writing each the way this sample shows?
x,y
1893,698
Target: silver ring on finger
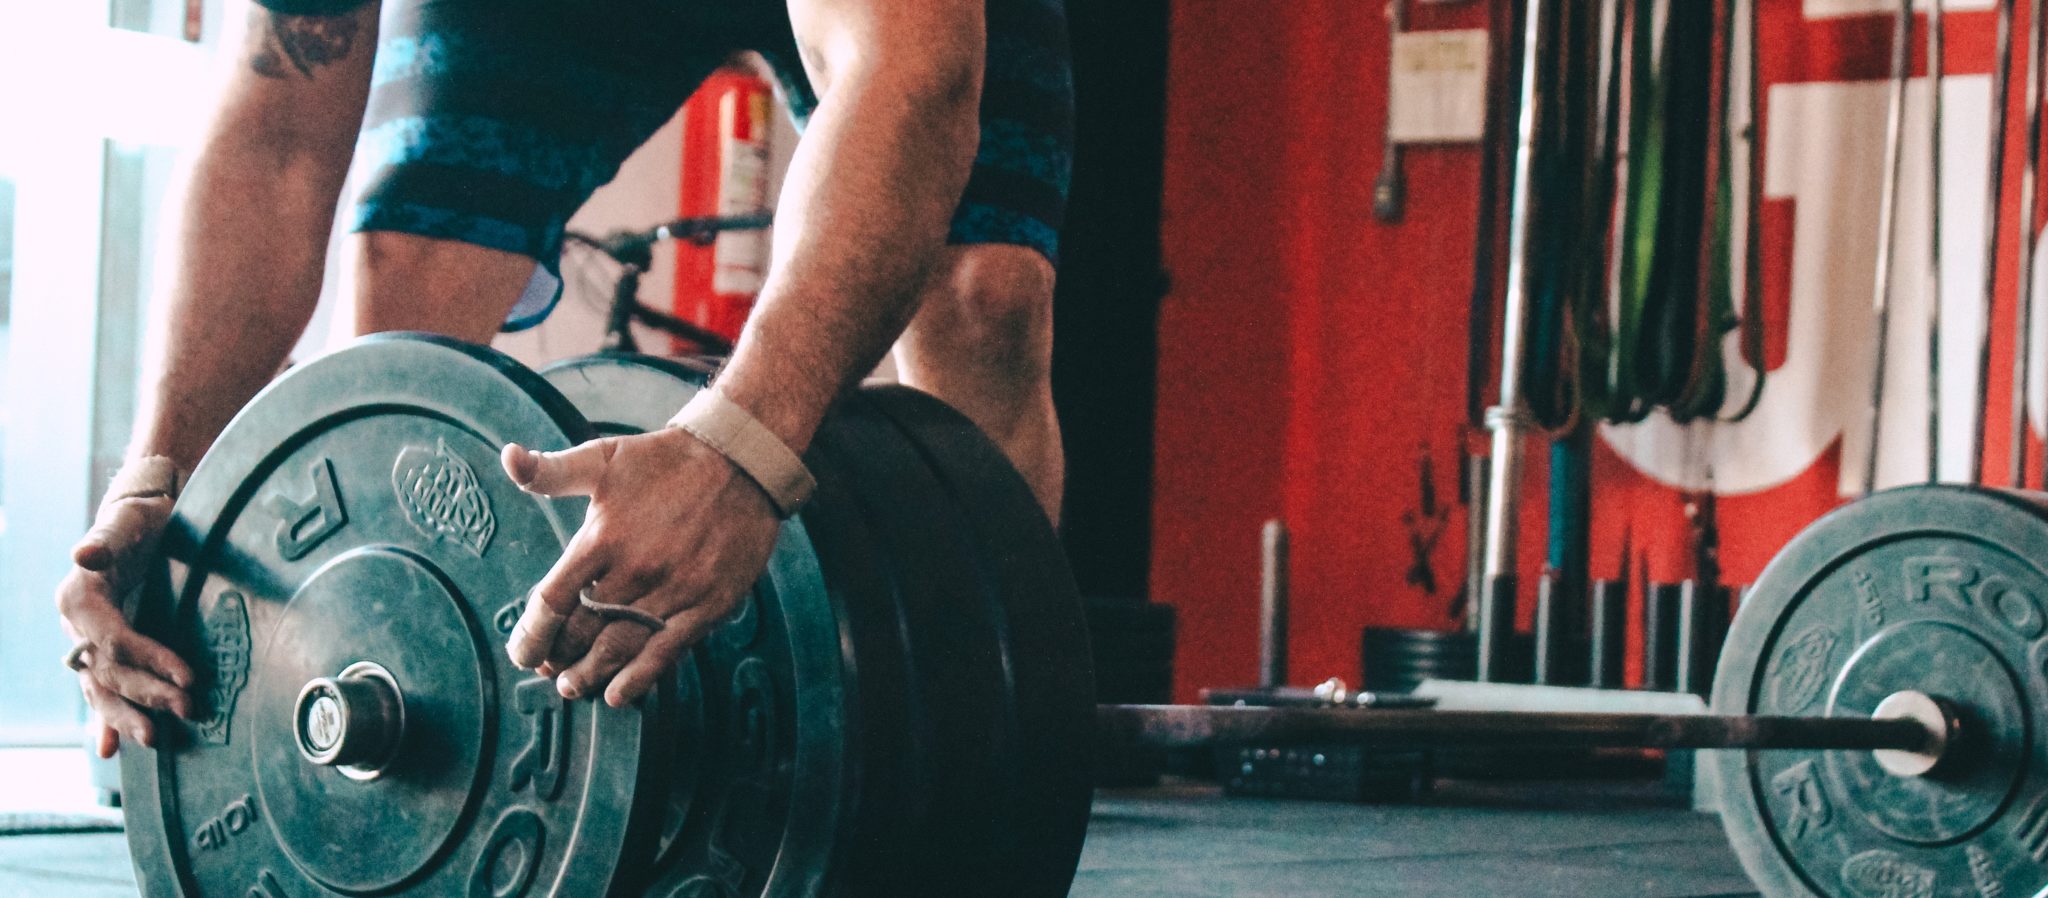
x,y
80,657
611,612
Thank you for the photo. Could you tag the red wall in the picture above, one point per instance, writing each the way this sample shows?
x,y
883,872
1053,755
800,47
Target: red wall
x,y
1308,354
1223,362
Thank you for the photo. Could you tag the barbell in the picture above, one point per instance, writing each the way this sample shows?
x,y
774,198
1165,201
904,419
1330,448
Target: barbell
x,y
903,704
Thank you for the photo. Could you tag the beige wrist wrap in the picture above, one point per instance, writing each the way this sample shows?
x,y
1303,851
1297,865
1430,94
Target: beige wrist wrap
x,y
751,447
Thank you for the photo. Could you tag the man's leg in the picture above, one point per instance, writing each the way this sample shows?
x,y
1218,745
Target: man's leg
x,y
488,126
406,282
982,341
982,337
254,220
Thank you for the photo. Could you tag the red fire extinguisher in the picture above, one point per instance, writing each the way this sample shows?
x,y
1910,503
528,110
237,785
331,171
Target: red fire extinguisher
x,y
726,156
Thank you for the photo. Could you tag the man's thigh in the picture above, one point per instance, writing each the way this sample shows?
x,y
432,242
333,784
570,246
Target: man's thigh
x,y
490,122
407,282
984,324
1017,193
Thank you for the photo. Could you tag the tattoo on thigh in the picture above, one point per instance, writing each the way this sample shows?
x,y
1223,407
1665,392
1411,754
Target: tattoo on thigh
x,y
302,43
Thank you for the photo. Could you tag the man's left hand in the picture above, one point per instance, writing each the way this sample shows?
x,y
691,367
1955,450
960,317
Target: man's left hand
x,y
674,530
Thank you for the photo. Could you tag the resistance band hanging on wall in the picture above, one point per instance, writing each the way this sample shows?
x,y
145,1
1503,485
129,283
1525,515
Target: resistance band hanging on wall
x,y
1558,255
1661,322
1635,296
1621,259
1742,132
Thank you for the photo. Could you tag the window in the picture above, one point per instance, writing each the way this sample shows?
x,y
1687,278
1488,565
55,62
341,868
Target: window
x,y
131,208
83,176
6,301
164,18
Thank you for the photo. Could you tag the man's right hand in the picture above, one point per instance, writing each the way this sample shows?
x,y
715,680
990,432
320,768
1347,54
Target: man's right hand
x,y
121,671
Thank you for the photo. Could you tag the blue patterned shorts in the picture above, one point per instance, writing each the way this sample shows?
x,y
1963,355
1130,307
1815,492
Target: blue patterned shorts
x,y
491,121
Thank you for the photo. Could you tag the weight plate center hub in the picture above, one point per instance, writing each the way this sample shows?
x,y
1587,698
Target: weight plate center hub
x,y
349,763
1969,673
1922,603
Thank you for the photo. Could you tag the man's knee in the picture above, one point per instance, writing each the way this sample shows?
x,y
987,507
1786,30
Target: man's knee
x,y
409,282
991,308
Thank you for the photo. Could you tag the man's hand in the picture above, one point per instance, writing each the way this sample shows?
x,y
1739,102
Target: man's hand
x,y
674,530
120,671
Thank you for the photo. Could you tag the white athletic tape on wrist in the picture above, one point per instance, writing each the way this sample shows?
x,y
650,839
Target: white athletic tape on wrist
x,y
751,447
148,477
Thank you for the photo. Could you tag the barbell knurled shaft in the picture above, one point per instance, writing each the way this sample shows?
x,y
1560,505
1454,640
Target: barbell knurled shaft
x,y
1190,726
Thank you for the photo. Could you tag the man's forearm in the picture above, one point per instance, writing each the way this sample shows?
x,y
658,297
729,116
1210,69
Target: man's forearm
x,y
251,247
863,216
256,213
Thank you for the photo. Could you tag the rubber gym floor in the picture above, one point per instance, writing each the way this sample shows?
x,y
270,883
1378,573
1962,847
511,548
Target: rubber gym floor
x,y
1576,840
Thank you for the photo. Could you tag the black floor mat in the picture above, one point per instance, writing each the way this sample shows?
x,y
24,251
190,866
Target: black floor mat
x,y
39,824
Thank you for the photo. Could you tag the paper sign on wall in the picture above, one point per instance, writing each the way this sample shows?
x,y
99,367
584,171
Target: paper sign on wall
x,y
1438,94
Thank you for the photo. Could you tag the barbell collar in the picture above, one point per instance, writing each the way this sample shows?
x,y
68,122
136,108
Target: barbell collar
x,y
353,721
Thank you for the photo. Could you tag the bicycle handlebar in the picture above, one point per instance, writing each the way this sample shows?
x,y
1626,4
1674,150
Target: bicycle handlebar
x,y
633,247
634,251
